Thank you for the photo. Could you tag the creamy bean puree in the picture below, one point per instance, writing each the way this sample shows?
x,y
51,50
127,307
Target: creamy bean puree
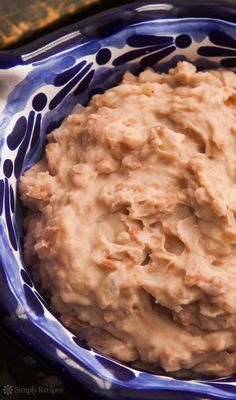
x,y
131,227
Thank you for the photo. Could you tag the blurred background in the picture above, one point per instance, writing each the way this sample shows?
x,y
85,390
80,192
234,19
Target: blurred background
x,y
24,20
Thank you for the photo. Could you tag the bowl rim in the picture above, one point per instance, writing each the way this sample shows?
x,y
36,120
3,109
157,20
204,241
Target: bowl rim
x,y
49,41
13,58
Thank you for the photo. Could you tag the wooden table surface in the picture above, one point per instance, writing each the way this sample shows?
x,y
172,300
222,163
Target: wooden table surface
x,y
22,19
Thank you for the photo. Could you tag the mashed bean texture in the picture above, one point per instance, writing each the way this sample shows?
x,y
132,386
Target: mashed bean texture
x,y
131,226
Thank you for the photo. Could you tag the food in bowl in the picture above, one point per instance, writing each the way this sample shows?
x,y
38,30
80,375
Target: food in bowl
x,y
131,223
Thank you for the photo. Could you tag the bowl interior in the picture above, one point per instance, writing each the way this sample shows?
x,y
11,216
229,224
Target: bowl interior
x,y
46,87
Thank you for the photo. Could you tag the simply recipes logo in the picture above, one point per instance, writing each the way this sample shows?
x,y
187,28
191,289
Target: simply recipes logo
x,y
8,390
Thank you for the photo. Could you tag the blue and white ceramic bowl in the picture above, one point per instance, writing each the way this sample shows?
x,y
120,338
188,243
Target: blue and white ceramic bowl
x,y
39,85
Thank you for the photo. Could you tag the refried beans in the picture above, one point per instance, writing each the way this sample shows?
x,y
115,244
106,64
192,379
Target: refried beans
x,y
131,227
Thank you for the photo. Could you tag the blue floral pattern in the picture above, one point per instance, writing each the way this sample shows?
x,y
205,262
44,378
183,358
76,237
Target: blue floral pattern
x,y
50,88
152,49
223,46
